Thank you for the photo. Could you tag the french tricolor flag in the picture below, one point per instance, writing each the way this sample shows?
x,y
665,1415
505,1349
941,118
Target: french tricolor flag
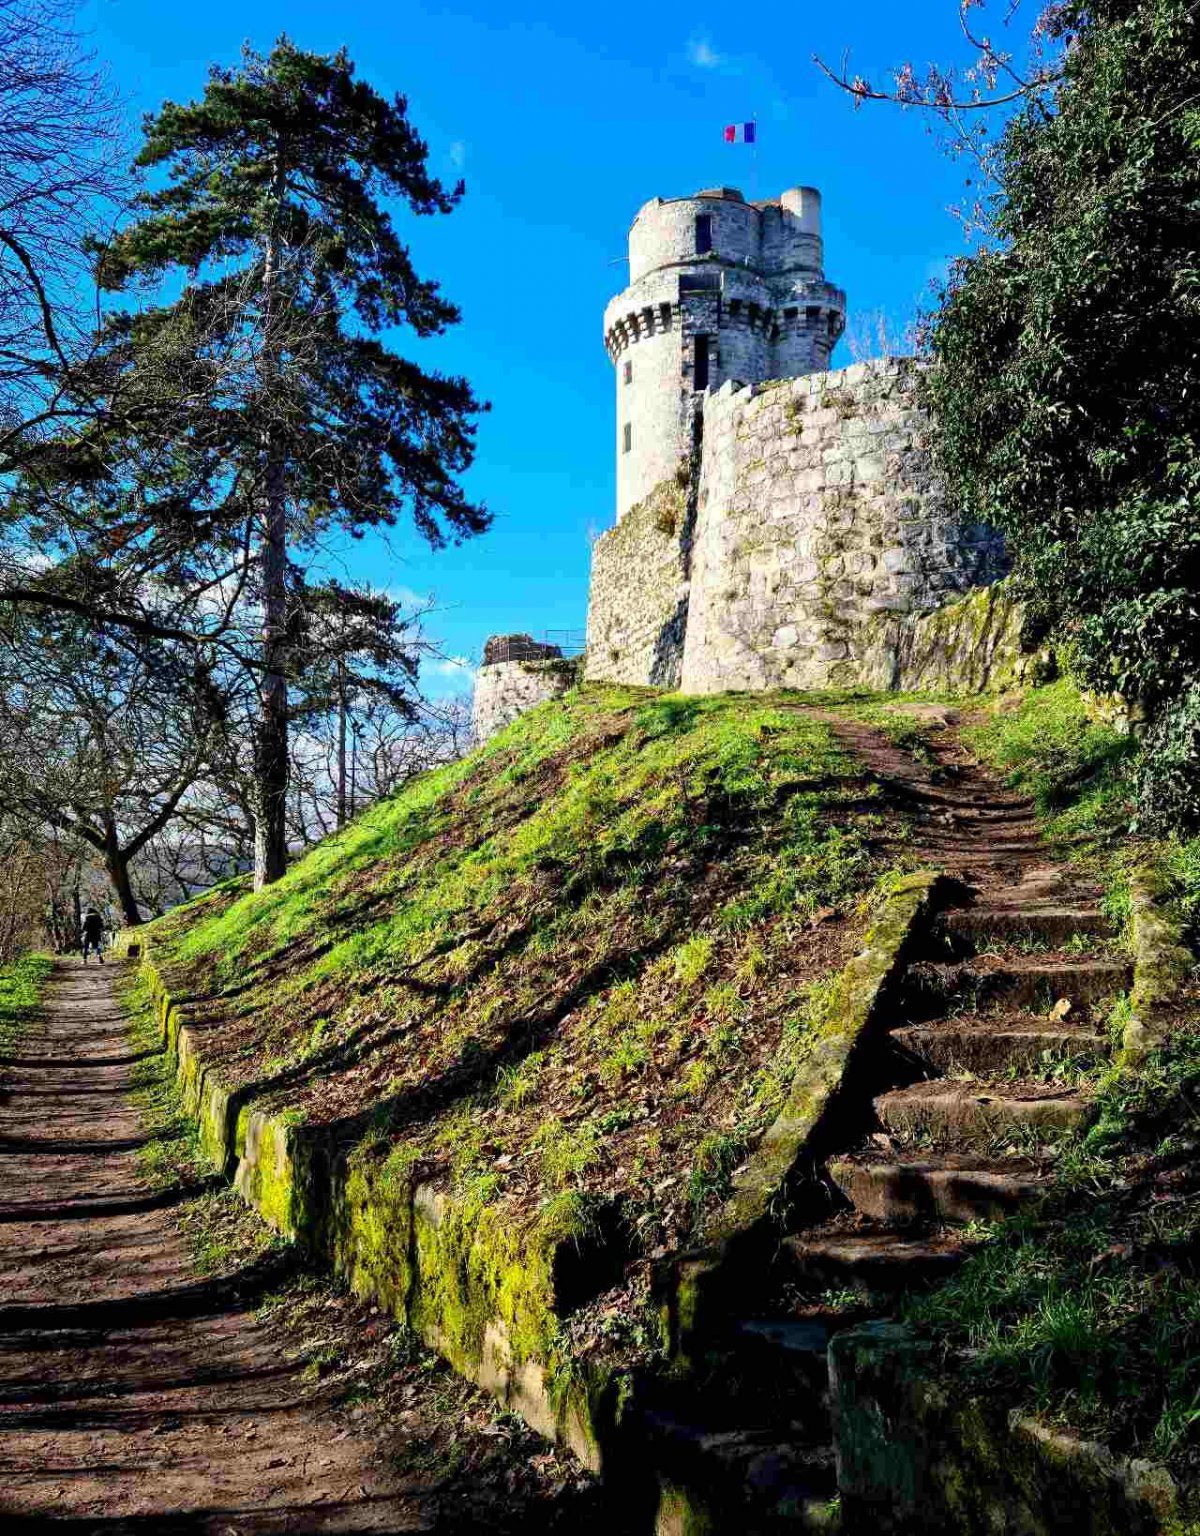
x,y
739,133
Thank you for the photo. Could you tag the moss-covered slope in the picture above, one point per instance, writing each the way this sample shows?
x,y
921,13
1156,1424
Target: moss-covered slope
x,y
581,960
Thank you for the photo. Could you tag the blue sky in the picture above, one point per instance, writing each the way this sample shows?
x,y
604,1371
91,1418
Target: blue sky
x,y
563,122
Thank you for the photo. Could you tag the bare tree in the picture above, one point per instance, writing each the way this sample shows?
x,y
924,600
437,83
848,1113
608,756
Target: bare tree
x,y
964,100
62,134
877,333
101,744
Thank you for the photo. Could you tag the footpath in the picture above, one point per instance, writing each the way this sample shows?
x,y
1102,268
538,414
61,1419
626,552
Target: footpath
x,y
134,1398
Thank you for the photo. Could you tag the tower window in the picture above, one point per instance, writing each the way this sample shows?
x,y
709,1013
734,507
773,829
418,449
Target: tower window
x,y
703,233
627,437
629,373
700,364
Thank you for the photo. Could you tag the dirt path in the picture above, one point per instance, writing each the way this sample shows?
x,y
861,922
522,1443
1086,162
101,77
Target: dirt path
x,y
134,1398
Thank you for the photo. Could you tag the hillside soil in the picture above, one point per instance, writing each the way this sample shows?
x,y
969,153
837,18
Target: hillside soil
x,y
137,1397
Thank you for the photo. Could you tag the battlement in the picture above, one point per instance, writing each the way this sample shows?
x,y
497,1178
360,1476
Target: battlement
x,y
719,289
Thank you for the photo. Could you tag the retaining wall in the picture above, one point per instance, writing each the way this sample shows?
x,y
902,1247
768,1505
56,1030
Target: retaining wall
x,y
488,1297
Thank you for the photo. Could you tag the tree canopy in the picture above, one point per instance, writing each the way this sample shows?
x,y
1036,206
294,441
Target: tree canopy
x,y
1066,377
262,411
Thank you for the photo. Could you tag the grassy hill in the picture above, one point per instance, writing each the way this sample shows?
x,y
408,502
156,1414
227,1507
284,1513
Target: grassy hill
x,y
580,963
569,979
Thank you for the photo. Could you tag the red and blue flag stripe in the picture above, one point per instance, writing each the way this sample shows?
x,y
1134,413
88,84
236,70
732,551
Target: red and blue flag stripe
x,y
739,133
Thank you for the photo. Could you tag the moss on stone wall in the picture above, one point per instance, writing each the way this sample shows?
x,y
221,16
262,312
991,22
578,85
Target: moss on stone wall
x,y
486,1294
918,1453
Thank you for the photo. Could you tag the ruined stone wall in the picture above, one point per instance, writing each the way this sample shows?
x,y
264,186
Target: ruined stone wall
x,y
638,610
819,511
508,689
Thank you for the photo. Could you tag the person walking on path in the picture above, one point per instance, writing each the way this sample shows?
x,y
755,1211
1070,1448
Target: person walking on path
x,y
93,934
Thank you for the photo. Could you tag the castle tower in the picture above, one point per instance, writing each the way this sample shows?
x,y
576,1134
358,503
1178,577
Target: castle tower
x,y
719,289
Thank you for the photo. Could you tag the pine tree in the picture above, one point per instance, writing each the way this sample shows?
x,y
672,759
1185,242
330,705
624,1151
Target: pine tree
x,y
292,268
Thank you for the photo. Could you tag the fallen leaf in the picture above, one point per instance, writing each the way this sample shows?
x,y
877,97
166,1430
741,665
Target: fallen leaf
x,y
1120,1251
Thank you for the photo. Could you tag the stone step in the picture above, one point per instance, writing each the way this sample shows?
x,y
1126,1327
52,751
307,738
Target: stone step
x,y
977,927
1022,982
992,1049
804,1345
977,1113
957,1189
754,1479
866,1262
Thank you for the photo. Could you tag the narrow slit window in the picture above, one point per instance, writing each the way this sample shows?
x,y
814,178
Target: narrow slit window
x,y
703,233
627,438
629,373
700,364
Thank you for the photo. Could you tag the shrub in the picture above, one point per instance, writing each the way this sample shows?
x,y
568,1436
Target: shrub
x,y
1166,780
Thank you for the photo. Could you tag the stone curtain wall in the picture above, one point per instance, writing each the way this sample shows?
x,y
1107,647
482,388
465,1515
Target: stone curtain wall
x,y
508,689
818,511
638,610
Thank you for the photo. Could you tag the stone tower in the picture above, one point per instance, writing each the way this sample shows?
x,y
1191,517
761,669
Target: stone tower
x,y
719,289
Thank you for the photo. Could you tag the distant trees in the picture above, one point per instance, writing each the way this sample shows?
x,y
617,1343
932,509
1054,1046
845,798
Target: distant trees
x,y
101,742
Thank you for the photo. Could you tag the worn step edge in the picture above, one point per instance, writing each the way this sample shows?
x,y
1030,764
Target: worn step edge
x,y
905,1192
963,1110
878,1261
981,1049
1080,981
1043,922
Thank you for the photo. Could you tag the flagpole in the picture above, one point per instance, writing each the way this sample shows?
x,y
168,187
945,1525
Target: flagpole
x,y
754,120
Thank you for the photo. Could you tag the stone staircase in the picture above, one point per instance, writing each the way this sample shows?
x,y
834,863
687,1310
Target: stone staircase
x,y
979,1073
994,1027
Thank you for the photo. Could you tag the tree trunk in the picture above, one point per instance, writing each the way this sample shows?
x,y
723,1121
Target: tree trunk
x,y
341,768
117,864
271,730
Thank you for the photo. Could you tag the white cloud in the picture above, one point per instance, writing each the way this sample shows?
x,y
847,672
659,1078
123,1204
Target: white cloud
x,y
458,670
408,597
458,154
702,54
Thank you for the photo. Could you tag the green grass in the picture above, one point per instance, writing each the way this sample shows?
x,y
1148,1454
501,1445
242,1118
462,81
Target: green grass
x,y
581,950
22,984
1073,767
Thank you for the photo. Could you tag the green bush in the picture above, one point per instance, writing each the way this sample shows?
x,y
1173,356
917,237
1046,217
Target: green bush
x,y
1066,367
1166,780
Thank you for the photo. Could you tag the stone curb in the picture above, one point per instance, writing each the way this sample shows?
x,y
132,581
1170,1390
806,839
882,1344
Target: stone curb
x,y
1162,962
919,1455
481,1295
696,1288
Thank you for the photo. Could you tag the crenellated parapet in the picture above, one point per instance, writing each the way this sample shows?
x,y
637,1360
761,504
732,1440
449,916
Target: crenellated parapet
x,y
719,289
